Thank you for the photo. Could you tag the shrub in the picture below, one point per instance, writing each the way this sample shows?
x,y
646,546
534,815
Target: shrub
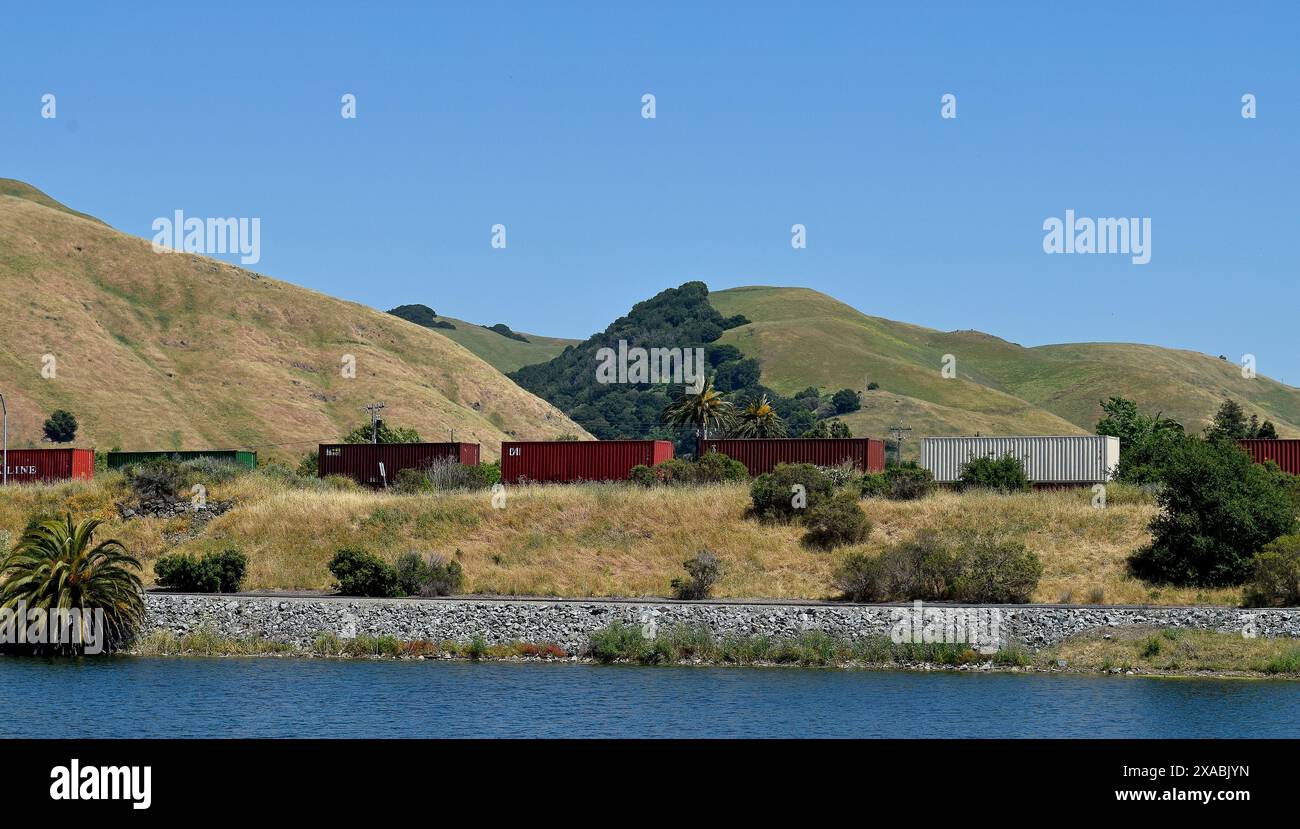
x,y
909,481
674,471
836,522
362,574
999,572
213,573
1004,474
157,479
716,468
773,493
309,465
920,567
448,474
1275,574
340,483
874,485
927,566
618,641
60,426
843,474
705,569
1217,509
411,482
427,577
642,475
211,470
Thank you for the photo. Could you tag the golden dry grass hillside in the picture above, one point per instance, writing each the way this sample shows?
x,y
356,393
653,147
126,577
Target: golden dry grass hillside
x,y
610,539
177,351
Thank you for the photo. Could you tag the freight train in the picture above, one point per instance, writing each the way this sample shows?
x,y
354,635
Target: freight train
x,y
1073,460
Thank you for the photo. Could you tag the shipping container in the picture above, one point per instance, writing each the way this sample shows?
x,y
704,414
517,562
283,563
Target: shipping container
x,y
377,464
27,466
759,455
1048,461
239,457
1285,453
578,460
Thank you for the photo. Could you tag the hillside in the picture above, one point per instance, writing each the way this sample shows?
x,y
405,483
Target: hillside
x,y
501,352
170,351
801,337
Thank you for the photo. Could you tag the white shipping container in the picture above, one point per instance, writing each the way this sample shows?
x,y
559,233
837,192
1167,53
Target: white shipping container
x,y
1066,459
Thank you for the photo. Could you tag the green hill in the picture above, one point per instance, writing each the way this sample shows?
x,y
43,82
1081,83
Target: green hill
x,y
503,353
801,337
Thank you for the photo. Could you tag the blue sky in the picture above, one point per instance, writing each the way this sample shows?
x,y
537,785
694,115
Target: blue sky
x,y
827,116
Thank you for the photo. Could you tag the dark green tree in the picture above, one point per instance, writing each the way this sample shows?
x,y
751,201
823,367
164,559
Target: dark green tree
x,y
61,426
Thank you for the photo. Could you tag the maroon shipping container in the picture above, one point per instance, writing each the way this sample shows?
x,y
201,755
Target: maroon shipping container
x,y
1285,453
579,460
28,466
759,455
377,464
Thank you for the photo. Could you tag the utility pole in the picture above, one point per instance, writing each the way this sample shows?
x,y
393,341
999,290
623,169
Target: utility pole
x,y
6,449
898,433
374,409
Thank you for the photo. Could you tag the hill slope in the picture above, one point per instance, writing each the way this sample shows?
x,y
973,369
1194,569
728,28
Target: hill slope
x,y
802,337
501,352
169,351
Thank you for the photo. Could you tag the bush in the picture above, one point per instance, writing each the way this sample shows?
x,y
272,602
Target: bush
x,y
618,641
705,569
909,481
996,572
60,426
427,577
221,572
773,494
1217,509
157,479
844,474
1275,574
1004,474
642,475
362,574
211,470
980,569
874,485
447,474
340,483
411,482
309,465
717,468
836,522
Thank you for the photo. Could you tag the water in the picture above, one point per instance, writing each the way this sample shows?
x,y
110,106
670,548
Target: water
x,y
190,697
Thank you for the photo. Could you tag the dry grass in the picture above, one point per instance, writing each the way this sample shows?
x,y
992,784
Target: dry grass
x,y
611,540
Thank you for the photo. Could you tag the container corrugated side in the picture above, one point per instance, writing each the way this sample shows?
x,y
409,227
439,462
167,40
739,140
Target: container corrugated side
x,y
377,464
1056,459
27,466
578,460
1285,453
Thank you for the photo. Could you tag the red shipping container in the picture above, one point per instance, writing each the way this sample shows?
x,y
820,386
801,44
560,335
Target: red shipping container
x,y
377,464
1285,453
26,466
759,455
579,460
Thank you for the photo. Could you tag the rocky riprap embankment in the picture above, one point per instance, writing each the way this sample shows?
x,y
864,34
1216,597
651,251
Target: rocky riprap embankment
x,y
570,624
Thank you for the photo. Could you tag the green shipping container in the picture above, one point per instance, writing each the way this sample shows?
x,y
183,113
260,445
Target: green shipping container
x,y
239,457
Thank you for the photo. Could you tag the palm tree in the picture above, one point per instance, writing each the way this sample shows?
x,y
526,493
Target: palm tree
x,y
760,420
55,567
702,410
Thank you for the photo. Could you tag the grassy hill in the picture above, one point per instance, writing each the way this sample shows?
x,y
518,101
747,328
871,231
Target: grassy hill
x,y
172,351
802,337
501,352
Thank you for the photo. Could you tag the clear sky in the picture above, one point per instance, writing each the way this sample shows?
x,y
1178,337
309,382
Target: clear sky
x,y
828,116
